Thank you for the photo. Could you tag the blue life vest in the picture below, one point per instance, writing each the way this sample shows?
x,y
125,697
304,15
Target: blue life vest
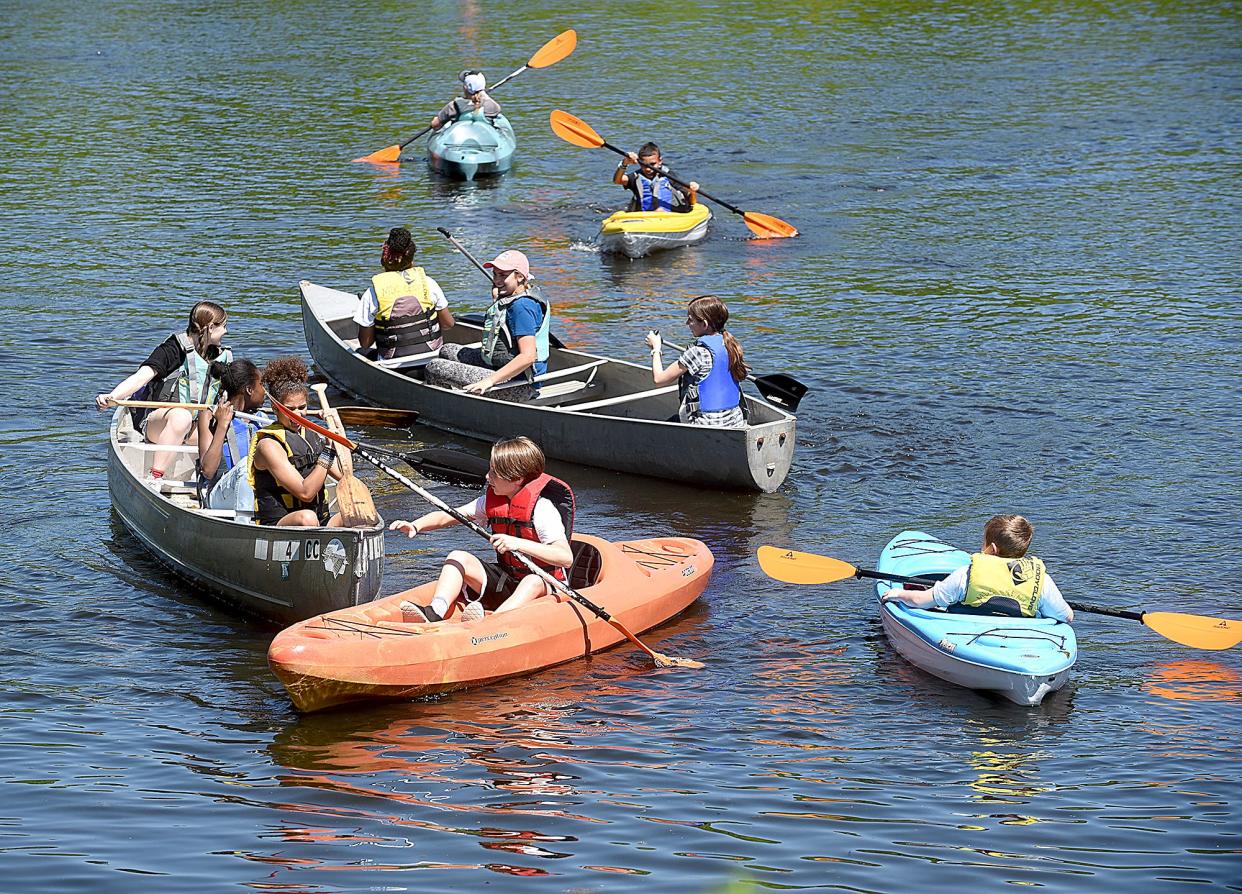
x,y
719,391
237,442
655,194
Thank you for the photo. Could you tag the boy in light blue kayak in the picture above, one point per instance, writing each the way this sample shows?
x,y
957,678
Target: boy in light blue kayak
x,y
651,189
1001,579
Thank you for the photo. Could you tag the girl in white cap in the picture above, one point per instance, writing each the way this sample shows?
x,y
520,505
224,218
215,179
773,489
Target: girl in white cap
x,y
473,98
515,338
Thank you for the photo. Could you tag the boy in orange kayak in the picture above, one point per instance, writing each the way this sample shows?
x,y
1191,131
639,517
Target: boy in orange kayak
x,y
651,189
526,509
1002,579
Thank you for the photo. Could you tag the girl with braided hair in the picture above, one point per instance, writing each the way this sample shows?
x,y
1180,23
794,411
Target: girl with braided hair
x,y
404,312
178,370
710,371
289,465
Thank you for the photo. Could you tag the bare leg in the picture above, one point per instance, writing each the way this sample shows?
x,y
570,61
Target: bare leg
x,y
168,427
299,518
460,567
528,590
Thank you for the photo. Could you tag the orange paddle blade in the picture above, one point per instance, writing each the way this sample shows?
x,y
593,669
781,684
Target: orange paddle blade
x,y
1197,631
383,156
793,567
575,130
765,226
554,50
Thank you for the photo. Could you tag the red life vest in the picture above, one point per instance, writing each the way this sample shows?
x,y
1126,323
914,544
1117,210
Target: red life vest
x,y
515,516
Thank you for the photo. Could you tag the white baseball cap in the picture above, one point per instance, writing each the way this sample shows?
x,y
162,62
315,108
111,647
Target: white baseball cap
x,y
474,82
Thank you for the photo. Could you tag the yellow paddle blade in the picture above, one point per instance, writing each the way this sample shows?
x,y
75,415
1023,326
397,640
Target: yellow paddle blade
x,y
1196,631
765,226
793,567
554,50
383,156
575,130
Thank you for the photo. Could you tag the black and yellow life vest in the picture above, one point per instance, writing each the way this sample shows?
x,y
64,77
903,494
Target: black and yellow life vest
x,y
1004,586
271,501
405,323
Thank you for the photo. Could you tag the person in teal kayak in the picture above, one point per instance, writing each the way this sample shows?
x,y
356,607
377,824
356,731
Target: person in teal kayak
x,y
224,437
473,98
515,339
404,312
176,372
526,509
650,189
1000,579
709,371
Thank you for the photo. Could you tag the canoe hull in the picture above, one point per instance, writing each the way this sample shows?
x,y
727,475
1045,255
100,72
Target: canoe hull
x,y
279,575
1020,659
465,150
636,234
376,652
620,437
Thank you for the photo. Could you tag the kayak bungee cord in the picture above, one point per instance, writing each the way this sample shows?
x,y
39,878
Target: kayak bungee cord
x,y
660,659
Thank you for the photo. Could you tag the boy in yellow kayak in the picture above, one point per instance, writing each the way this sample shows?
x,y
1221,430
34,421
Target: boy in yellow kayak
x,y
651,190
1002,579
526,509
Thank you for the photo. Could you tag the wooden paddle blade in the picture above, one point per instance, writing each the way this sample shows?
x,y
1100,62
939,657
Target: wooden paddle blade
x,y
384,156
765,226
377,417
554,50
354,502
575,130
1197,631
784,391
793,567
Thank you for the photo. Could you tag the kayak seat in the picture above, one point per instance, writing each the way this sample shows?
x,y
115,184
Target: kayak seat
x,y
584,572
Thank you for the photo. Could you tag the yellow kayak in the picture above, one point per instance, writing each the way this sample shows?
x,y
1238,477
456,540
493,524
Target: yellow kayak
x,y
636,233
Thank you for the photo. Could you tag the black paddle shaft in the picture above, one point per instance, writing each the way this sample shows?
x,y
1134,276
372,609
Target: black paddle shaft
x,y
894,578
481,531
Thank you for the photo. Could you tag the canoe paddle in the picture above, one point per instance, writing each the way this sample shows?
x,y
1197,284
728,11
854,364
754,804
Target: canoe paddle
x,y
374,417
1196,631
778,388
576,131
477,318
352,497
550,53
365,453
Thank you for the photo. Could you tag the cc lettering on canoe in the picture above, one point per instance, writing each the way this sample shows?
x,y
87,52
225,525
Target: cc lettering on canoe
x,y
311,554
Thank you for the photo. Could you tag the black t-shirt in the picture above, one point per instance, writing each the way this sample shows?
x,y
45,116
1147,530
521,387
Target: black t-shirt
x,y
167,358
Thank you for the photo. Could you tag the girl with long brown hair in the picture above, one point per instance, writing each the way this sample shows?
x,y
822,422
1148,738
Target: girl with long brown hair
x,y
710,371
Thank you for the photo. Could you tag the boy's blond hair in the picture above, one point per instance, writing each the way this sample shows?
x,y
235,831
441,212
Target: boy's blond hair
x,y
517,459
1010,534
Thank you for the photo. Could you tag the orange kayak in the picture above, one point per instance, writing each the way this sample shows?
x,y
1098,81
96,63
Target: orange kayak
x,y
377,651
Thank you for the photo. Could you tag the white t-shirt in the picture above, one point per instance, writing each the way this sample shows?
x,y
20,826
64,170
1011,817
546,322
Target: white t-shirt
x,y
368,307
952,590
548,523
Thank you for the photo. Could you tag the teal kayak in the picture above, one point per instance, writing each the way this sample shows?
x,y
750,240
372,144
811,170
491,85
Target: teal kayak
x,y
472,147
1022,659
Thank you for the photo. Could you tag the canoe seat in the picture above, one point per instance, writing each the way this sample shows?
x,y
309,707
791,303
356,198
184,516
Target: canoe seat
x,y
559,392
584,572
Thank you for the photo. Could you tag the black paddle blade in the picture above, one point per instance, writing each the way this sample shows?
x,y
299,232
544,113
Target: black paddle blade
x,y
451,466
784,391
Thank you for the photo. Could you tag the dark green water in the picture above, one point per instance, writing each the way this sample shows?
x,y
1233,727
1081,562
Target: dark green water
x,y
1016,289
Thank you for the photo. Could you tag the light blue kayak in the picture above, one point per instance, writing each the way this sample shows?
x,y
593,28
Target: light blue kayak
x,y
472,147
1022,659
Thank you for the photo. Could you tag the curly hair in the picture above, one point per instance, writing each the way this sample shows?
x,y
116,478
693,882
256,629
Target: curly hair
x,y
399,249
284,376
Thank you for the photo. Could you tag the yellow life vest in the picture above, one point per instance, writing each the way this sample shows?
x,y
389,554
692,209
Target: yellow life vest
x,y
1004,585
405,322
269,497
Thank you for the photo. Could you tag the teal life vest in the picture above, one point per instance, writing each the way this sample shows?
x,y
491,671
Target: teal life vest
x,y
496,330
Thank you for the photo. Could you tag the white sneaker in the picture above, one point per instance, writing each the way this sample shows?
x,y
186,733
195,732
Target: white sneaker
x,y
155,485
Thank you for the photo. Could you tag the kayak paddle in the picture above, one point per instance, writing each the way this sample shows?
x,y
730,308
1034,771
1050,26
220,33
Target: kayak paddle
x,y
550,53
576,131
354,501
778,388
1196,631
477,318
374,417
365,453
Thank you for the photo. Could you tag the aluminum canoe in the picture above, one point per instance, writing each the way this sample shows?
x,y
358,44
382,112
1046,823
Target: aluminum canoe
x,y
280,575
593,410
1021,659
